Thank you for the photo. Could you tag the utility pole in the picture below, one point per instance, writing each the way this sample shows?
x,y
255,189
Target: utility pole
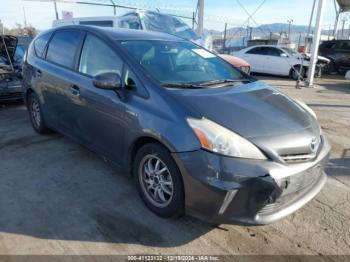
x,y
289,24
342,28
56,12
193,19
336,22
114,7
315,43
224,42
24,17
200,6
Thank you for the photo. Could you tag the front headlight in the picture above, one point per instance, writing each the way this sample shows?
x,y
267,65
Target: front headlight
x,y
219,139
245,69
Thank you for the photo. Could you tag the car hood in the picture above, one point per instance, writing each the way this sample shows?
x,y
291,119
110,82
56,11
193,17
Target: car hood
x,y
258,112
9,42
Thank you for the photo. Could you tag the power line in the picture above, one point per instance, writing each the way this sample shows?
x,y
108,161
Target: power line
x,y
250,16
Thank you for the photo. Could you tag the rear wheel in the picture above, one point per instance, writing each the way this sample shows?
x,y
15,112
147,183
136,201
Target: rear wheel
x,y
158,180
35,114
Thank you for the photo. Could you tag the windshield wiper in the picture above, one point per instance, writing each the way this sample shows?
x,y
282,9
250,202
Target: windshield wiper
x,y
180,85
223,81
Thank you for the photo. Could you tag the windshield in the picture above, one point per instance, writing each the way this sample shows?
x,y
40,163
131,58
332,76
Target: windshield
x,y
290,51
172,62
168,24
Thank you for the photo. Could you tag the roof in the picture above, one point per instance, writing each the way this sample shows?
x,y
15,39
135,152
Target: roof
x,y
123,34
344,5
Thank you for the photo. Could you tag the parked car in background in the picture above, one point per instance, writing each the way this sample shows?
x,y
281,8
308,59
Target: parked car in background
x,y
274,60
198,135
237,62
338,51
10,69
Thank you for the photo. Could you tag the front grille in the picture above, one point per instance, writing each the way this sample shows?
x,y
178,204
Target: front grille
x,y
302,157
298,158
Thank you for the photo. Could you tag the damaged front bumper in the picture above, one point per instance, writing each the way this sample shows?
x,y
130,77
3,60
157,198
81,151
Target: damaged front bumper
x,y
223,189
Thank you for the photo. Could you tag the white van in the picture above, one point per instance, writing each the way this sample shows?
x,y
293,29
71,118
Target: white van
x,y
142,20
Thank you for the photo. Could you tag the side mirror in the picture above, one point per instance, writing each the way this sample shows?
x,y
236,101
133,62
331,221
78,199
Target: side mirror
x,y
109,81
284,55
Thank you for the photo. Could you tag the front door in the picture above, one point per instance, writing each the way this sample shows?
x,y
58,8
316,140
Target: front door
x,y
101,119
275,62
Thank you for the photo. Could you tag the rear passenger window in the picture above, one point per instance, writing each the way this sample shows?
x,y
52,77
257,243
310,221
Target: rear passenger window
x,y
257,51
63,47
40,44
97,58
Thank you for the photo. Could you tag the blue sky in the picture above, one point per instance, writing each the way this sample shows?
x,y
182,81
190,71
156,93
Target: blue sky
x,y
41,14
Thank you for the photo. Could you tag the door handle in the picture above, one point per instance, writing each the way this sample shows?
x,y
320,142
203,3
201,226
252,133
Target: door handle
x,y
75,90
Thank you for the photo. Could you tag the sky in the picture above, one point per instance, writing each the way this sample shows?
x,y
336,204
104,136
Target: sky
x,y
217,12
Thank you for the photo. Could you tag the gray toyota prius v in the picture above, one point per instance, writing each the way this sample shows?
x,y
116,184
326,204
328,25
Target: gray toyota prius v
x,y
197,135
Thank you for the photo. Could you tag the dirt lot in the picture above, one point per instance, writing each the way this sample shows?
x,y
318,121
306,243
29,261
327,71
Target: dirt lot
x,y
58,198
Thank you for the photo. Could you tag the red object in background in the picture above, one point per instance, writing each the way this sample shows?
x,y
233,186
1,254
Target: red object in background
x,y
237,62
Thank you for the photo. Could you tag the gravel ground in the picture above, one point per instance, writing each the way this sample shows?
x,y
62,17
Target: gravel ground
x,y
56,197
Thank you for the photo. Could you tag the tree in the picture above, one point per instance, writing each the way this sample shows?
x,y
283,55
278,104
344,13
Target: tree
x,y
18,30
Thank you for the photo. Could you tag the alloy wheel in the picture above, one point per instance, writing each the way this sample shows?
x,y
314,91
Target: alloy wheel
x,y
35,112
156,181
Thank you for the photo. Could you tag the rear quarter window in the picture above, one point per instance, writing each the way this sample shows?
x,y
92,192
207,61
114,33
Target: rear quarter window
x,y
40,44
63,48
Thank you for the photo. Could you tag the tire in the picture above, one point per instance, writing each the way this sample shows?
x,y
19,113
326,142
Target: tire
x,y
332,68
295,72
170,201
35,114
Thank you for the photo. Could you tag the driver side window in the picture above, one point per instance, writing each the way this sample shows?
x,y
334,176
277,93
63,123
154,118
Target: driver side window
x,y
274,51
98,58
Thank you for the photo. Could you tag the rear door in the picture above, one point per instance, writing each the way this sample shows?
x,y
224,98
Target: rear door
x,y
100,117
61,79
256,58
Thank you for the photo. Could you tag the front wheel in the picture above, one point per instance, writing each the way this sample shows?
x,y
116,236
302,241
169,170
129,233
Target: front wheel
x,y
159,181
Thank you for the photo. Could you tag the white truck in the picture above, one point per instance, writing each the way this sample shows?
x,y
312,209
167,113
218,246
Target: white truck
x,y
142,20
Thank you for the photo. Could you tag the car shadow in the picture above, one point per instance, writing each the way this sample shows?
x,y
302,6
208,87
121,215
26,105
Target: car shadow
x,y
339,168
52,188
